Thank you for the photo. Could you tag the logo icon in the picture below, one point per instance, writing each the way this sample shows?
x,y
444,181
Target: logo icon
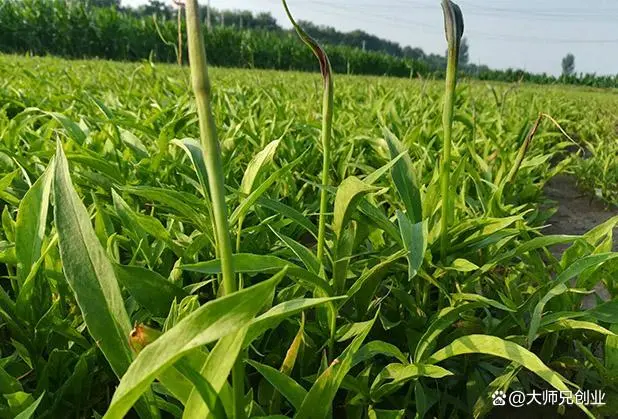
x,y
499,398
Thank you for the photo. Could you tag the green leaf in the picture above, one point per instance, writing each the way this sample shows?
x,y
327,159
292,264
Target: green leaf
x,y
394,376
249,263
194,151
572,271
275,315
377,174
31,222
5,183
286,385
215,371
29,411
443,320
385,414
606,312
568,324
211,322
375,271
414,238
482,299
141,225
97,163
501,383
183,203
611,351
378,217
203,388
305,255
527,246
247,203
404,179
349,193
255,166
343,254
91,275
491,345
74,130
462,265
377,347
176,382
8,383
319,400
135,144
151,290
290,213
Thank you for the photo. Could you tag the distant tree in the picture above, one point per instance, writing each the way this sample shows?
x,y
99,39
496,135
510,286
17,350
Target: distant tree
x,y
464,52
156,7
413,53
266,21
103,3
568,65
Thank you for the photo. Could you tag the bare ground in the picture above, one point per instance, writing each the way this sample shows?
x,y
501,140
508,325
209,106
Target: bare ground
x,y
577,214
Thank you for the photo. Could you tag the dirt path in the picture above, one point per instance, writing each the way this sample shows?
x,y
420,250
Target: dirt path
x,y
577,213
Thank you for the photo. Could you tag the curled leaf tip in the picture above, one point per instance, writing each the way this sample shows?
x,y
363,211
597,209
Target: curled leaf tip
x,y
453,23
318,51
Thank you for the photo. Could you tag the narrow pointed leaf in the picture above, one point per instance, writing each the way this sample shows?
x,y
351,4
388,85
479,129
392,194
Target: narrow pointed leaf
x,y
348,195
151,290
319,400
212,321
491,345
91,276
31,222
284,384
414,237
404,179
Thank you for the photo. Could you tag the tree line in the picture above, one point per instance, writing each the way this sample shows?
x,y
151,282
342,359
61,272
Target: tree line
x,y
104,29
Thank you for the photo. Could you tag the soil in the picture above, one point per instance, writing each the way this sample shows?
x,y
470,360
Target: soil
x,y
577,213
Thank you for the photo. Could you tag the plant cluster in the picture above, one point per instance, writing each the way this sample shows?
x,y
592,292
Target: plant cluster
x,y
314,256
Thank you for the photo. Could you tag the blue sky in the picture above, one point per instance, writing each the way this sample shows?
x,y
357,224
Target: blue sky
x,y
528,34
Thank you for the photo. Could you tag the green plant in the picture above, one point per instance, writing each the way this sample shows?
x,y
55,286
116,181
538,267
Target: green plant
x,y
327,122
454,28
387,325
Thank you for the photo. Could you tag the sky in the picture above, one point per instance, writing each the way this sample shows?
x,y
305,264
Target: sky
x,y
527,34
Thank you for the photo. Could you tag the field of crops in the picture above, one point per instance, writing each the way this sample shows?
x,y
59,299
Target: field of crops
x,y
110,297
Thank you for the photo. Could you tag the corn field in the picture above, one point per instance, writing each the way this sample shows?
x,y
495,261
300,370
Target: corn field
x,y
206,242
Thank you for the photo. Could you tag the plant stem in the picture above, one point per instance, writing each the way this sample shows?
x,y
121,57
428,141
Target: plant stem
x,y
522,151
327,122
447,121
453,24
179,34
212,159
210,143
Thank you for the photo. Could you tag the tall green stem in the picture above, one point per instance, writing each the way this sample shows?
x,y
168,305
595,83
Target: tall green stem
x,y
214,167
327,122
453,23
